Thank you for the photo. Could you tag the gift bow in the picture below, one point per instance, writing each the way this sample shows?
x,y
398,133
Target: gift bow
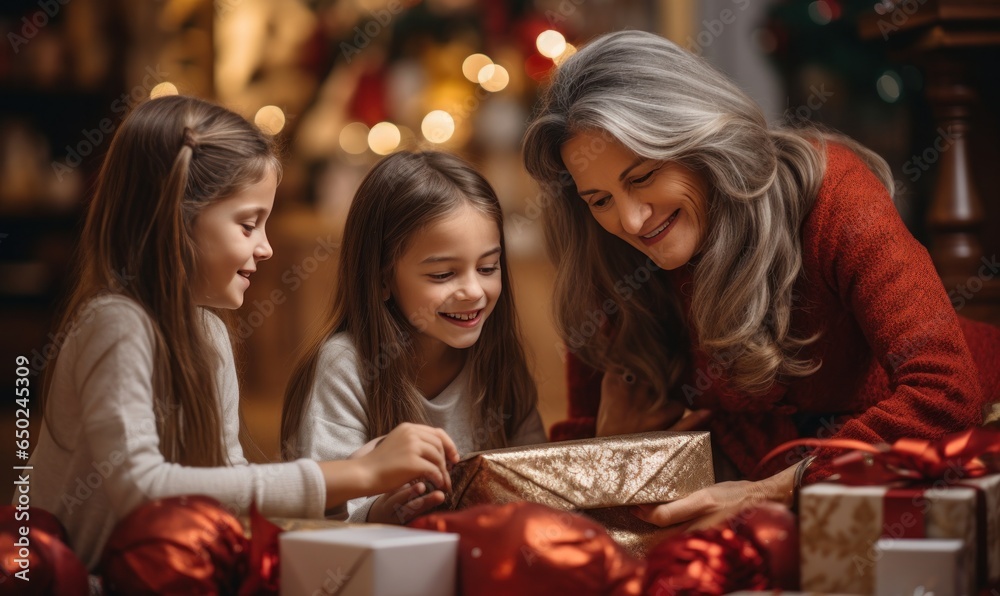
x,y
968,454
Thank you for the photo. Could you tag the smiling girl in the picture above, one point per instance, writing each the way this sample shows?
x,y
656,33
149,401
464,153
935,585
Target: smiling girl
x,y
420,329
142,401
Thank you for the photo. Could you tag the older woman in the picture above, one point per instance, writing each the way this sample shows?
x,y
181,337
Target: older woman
x,y
761,278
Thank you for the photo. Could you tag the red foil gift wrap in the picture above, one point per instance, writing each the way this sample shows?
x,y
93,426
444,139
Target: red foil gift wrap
x,y
525,548
756,549
600,477
265,570
179,545
51,566
713,561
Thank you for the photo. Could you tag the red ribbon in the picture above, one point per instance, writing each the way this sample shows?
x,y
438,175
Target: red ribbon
x,y
968,454
265,570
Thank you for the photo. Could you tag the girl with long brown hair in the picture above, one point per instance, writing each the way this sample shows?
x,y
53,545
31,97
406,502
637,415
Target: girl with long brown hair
x,y
143,397
422,328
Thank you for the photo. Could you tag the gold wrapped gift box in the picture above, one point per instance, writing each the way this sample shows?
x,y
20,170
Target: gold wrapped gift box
x,y
600,477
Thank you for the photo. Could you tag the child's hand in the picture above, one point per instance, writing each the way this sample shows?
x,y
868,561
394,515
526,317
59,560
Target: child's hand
x,y
409,452
404,504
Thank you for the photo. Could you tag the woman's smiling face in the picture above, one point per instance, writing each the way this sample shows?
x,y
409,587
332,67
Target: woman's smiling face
x,y
660,208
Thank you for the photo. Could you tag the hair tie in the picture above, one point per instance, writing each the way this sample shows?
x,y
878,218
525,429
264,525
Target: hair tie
x,y
189,140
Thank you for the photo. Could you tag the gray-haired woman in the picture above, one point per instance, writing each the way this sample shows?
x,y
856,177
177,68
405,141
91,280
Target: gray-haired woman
x,y
760,277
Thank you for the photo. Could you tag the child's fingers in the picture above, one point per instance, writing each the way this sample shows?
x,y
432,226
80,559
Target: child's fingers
x,y
404,494
438,443
450,451
417,506
431,466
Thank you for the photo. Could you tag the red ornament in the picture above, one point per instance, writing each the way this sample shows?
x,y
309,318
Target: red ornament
x,y
179,545
52,568
525,548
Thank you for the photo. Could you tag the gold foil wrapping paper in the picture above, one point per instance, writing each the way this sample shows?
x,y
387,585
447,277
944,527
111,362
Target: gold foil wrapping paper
x,y
599,477
840,525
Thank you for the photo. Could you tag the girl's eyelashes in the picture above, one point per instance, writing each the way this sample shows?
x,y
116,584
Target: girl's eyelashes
x,y
249,227
482,271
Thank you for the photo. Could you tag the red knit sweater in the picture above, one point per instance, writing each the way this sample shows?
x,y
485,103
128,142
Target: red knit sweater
x,y
896,358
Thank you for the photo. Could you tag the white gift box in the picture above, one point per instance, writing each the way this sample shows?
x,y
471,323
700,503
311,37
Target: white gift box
x,y
920,566
368,561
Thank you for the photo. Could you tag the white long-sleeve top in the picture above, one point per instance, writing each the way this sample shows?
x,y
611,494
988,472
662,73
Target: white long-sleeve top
x,y
101,410
335,420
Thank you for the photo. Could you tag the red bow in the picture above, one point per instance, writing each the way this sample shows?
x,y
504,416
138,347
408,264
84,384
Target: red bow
x,y
968,454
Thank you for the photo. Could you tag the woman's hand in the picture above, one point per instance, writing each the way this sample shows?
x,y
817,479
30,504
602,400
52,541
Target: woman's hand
x,y
404,504
707,507
409,452
625,408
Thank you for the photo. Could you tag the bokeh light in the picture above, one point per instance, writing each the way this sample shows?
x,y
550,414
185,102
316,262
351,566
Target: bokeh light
x,y
270,119
383,138
569,51
354,138
164,88
493,77
438,126
550,43
889,86
473,64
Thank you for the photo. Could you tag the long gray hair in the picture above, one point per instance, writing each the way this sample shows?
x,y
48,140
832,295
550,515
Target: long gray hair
x,y
663,103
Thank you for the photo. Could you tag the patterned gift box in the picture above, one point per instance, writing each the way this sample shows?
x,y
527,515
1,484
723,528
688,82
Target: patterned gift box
x,y
599,477
841,525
